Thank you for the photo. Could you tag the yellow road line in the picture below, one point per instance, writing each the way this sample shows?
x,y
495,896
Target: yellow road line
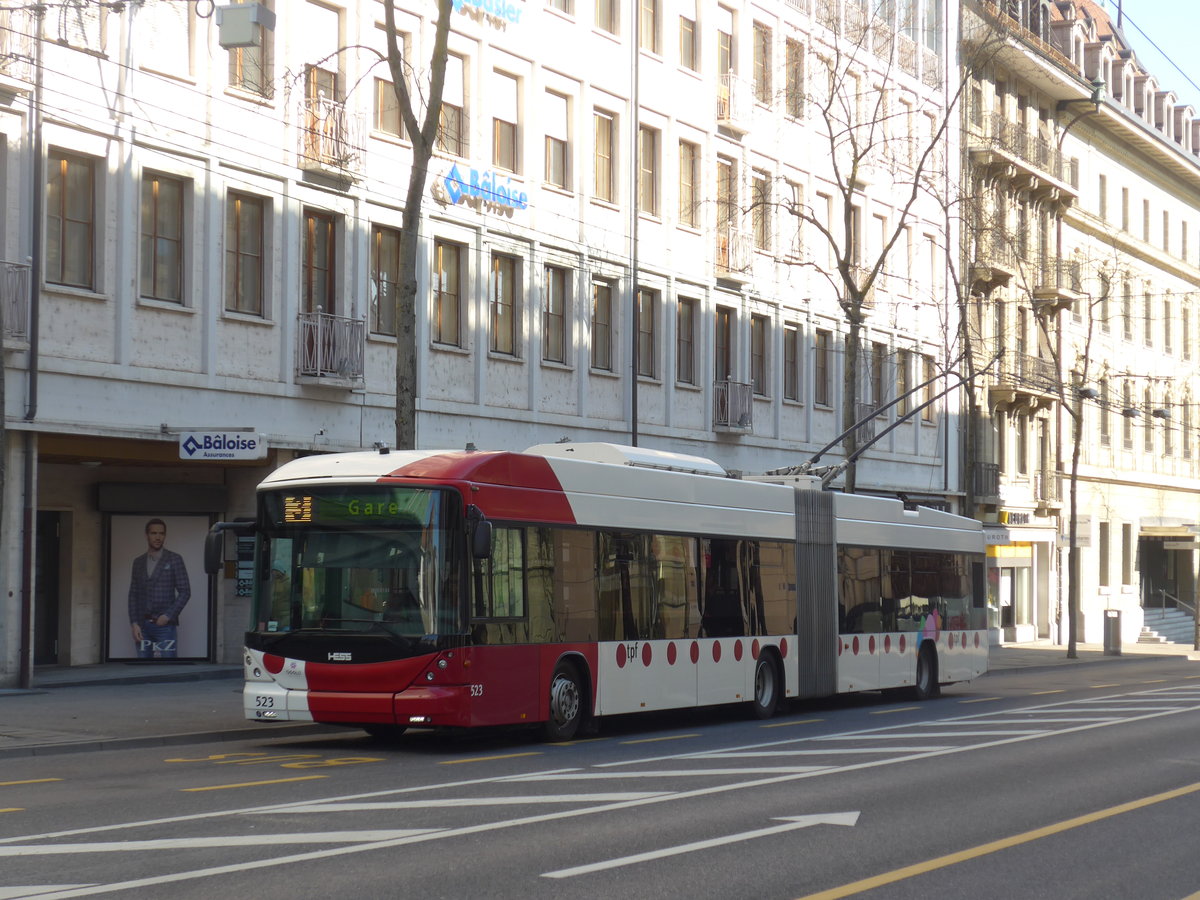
x,y
1040,693
222,787
12,809
29,781
580,741
979,700
1155,681
455,762
1097,687
793,722
884,712
951,859
655,740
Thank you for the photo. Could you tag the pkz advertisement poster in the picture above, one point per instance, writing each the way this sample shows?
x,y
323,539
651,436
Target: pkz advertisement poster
x,y
158,597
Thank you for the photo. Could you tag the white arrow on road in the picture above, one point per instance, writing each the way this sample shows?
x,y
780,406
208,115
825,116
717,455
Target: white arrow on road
x,y
791,823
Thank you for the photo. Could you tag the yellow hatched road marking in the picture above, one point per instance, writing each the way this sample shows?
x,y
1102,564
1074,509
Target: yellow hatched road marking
x,y
951,859
655,740
793,722
455,762
222,787
28,781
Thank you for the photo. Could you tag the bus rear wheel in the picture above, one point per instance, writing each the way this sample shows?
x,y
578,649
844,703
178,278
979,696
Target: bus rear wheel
x,y
566,703
766,688
925,686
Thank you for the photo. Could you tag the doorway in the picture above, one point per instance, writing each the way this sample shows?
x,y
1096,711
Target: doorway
x,y
46,595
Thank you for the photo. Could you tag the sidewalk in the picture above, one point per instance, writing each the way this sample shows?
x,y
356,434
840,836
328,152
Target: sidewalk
x,y
120,705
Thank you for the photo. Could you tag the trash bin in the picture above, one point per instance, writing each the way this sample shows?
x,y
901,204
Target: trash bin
x,y
1112,632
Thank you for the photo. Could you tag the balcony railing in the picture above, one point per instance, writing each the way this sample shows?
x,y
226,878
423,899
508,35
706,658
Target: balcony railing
x,y
735,102
734,251
1057,283
931,68
994,263
330,136
1047,487
733,406
1036,151
14,299
331,347
1027,372
987,481
16,43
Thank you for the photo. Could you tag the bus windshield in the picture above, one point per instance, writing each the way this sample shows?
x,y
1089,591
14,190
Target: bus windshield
x,y
359,558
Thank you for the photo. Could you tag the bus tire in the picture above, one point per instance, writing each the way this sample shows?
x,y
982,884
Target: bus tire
x,y
925,686
383,732
566,703
766,687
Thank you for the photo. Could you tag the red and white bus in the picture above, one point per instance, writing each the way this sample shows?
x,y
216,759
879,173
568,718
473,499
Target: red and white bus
x,y
574,581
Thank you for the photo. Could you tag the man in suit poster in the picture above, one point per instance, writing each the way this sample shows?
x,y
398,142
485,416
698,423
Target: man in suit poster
x,y
159,589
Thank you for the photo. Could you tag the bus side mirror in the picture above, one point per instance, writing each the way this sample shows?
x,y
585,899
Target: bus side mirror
x,y
480,532
214,542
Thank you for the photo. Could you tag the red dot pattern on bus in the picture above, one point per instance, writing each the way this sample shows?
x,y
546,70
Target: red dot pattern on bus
x,y
272,663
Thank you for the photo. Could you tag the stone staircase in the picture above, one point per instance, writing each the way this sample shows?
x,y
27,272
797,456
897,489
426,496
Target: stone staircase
x,y
1167,626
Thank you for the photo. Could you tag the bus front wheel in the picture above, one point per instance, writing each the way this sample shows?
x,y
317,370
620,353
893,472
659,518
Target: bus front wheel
x,y
766,688
926,685
566,703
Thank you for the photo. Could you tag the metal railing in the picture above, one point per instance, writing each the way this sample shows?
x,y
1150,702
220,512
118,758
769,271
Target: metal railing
x,y
1039,152
734,250
1047,486
987,479
17,31
735,102
1058,274
733,405
329,346
1031,372
330,135
14,299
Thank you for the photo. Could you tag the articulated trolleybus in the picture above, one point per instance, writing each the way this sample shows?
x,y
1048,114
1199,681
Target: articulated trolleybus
x,y
573,581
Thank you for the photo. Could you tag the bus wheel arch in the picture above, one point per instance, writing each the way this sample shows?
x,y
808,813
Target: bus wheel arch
x,y
570,699
925,684
768,684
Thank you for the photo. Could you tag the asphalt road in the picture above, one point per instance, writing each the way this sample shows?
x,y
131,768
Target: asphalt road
x,y
1079,783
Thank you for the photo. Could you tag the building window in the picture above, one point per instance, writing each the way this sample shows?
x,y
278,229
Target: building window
x,y
1126,419
502,98
1148,435
649,25
762,64
1102,554
903,383
387,119
758,354
877,361
557,146
648,170
726,57
688,56
685,341
162,238
505,308
822,367
452,135
250,67
723,344
447,297
1104,409
563,6
794,80
1148,319
1185,332
1127,310
554,315
603,160
791,362
385,278
647,315
245,221
606,15
602,326
929,396
70,220
1102,195
1126,553
318,272
689,198
1168,326
762,209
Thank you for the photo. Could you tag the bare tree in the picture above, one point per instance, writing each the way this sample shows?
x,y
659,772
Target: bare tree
x,y
422,132
870,138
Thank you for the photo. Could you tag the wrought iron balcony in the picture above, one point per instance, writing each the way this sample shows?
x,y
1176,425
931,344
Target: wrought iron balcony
x,y
14,299
17,30
987,482
734,251
994,263
735,102
1010,148
330,348
733,406
1057,284
1024,383
330,136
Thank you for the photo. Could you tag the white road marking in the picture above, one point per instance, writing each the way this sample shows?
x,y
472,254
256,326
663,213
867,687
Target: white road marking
x,y
909,737
453,802
791,823
771,754
17,891
236,840
676,773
